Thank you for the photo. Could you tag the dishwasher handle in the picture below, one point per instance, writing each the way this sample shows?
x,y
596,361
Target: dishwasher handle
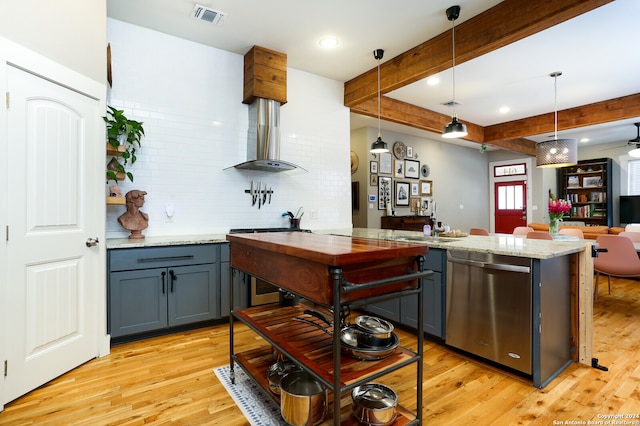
x,y
489,265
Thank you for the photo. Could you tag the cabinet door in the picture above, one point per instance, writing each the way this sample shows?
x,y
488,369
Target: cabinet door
x,y
138,301
389,309
432,293
192,293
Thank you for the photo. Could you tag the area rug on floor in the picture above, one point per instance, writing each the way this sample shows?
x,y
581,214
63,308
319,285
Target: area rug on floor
x,y
250,398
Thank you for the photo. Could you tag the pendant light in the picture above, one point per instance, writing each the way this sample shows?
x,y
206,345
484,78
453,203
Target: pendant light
x,y
455,129
635,153
557,152
379,145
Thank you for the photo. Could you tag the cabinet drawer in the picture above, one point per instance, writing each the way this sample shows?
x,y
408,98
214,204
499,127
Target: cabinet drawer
x,y
435,260
155,257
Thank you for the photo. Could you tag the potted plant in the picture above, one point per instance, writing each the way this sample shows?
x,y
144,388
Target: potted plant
x,y
123,135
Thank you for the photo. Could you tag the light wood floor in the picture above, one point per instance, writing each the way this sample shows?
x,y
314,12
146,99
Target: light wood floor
x,y
170,380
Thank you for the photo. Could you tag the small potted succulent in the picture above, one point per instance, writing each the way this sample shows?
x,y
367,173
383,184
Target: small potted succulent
x,y
123,136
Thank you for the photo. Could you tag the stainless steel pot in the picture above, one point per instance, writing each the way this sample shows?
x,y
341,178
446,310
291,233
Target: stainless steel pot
x,y
374,404
277,372
303,399
376,332
351,341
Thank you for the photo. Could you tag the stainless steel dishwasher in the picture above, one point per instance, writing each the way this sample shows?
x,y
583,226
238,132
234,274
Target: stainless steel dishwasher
x,y
489,307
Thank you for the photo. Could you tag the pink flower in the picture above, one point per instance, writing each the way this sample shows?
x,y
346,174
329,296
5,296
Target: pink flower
x,y
558,208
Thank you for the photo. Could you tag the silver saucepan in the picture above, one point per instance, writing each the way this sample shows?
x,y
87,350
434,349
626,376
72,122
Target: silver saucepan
x,y
303,399
374,404
350,341
376,332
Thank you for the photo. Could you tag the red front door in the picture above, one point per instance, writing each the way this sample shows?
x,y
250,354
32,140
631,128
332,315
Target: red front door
x,y
510,206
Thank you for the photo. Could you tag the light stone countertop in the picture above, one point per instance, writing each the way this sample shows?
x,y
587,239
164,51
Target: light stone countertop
x,y
504,244
159,241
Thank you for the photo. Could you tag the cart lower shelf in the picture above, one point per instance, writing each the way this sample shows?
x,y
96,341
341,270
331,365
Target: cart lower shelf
x,y
312,347
256,363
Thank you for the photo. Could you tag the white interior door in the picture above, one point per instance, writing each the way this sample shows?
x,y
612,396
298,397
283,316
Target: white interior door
x,y
51,311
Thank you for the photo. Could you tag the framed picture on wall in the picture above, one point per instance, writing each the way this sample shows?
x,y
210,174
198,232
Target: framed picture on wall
x,y
427,205
373,167
410,151
415,204
384,192
426,188
385,163
373,180
401,194
398,168
415,191
411,169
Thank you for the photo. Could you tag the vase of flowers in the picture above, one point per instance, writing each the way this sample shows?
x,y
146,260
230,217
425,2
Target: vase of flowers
x,y
557,210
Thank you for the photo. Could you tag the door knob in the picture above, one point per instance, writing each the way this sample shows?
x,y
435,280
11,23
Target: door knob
x,y
92,242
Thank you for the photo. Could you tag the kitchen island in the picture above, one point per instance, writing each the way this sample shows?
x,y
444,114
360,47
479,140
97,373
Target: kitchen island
x,y
577,253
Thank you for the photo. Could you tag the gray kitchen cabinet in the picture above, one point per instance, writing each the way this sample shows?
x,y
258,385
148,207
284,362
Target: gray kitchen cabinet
x,y
239,281
405,310
433,297
389,309
156,288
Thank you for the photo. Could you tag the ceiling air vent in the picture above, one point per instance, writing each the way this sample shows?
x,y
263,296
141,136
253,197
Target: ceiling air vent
x,y
207,14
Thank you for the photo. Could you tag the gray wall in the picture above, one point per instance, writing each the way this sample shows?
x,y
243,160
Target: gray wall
x,y
459,175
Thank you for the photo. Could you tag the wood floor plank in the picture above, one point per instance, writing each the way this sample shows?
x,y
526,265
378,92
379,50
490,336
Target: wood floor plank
x,y
169,380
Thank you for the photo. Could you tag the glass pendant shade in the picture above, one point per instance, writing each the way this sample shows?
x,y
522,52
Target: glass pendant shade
x,y
557,153
379,146
455,129
635,153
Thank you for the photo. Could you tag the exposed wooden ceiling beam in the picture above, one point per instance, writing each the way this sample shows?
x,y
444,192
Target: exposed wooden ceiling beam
x,y
410,115
586,115
503,24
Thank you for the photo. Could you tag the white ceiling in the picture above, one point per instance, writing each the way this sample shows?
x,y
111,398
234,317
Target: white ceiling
x,y
596,53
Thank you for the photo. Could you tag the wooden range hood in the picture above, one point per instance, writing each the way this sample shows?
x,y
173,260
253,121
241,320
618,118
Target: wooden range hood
x,y
265,90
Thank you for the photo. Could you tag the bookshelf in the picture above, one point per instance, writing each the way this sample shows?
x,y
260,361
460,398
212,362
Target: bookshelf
x,y
588,185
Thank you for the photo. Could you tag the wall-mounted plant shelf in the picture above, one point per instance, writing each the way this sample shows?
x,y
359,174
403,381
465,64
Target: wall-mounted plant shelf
x,y
117,152
116,200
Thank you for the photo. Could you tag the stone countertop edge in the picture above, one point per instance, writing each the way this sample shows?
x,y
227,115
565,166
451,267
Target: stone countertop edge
x,y
504,244
160,241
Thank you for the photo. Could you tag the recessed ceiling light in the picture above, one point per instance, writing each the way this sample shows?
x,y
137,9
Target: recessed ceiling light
x,y
584,140
329,42
504,109
433,81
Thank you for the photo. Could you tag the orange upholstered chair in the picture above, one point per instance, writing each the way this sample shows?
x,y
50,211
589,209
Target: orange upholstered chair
x,y
620,259
478,231
571,231
539,235
522,230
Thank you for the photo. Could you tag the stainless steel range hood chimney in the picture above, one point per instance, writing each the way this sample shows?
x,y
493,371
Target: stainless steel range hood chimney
x,y
263,139
265,90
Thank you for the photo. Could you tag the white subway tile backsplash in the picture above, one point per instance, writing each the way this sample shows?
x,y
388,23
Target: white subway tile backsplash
x,y
189,97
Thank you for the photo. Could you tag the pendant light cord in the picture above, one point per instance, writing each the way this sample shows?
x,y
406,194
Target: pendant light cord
x,y
379,133
555,105
453,60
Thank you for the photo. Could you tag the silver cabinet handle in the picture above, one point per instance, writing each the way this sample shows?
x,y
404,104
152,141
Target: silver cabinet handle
x,y
92,242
